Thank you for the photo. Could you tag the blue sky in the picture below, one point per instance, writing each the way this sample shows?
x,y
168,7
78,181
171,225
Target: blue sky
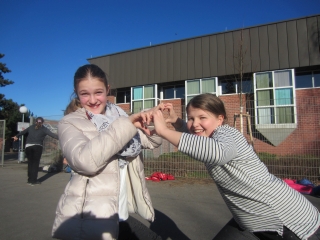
x,y
45,41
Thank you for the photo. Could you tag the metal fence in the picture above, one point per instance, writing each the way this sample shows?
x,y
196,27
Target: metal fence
x,y
297,156
51,153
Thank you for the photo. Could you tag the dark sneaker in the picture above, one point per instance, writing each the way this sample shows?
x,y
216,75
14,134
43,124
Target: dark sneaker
x,y
36,183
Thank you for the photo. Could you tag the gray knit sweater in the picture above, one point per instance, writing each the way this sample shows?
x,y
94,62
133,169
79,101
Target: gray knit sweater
x,y
36,136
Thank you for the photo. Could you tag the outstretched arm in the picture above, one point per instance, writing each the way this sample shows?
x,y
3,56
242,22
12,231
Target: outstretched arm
x,y
163,131
51,134
16,137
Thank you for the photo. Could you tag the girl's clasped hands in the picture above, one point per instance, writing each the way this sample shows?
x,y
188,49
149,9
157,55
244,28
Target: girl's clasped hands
x,y
144,119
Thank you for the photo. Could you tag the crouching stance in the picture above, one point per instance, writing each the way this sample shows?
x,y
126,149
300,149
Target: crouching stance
x,y
262,205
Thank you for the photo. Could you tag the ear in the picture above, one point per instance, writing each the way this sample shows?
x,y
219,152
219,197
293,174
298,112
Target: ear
x,y
220,119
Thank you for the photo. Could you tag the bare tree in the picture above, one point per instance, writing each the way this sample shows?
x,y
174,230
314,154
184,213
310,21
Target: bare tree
x,y
241,60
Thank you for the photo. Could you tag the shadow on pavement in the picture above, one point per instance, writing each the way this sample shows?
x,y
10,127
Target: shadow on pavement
x,y
166,227
45,177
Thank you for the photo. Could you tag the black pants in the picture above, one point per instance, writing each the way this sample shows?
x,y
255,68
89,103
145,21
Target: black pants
x,y
33,153
132,229
232,231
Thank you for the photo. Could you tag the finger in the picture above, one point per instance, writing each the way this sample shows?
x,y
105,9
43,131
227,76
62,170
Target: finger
x,y
143,117
146,131
148,117
161,106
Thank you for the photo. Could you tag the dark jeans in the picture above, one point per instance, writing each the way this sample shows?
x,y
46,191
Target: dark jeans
x,y
232,231
34,155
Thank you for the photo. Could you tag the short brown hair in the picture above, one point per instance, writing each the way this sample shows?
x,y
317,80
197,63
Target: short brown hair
x,y
210,103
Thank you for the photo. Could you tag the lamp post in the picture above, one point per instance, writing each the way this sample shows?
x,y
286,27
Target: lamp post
x,y
23,110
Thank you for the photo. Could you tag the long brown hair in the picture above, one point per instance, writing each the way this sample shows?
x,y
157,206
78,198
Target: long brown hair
x,y
72,106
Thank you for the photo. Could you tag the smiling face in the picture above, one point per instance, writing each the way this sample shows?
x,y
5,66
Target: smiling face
x,y
92,94
202,123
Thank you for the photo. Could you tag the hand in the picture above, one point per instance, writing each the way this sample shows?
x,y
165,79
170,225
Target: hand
x,y
160,124
15,138
65,162
141,120
173,117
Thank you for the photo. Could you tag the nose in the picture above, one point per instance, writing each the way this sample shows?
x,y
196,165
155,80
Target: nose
x,y
195,122
92,99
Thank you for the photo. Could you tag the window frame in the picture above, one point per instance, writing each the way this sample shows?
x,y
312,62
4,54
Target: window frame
x,y
313,81
143,99
174,87
128,91
236,83
275,103
200,80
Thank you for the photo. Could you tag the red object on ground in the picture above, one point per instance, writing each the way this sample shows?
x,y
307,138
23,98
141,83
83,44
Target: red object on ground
x,y
159,176
300,188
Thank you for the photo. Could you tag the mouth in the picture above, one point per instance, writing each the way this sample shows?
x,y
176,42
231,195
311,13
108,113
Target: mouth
x,y
94,106
198,131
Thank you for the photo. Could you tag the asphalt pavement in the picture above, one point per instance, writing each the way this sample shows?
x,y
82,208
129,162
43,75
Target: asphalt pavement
x,y
184,209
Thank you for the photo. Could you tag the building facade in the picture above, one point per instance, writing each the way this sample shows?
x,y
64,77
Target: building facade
x,y
268,76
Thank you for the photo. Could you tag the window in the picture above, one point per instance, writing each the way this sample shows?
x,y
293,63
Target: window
x,y
307,79
231,86
228,86
247,86
176,91
143,97
198,86
123,96
274,97
316,79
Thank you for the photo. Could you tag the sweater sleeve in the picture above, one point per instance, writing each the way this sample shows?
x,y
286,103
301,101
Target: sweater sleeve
x,y
23,132
51,134
149,142
218,150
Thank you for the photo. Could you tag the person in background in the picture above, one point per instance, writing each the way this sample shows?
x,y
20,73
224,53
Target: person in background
x,y
263,206
103,148
36,134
